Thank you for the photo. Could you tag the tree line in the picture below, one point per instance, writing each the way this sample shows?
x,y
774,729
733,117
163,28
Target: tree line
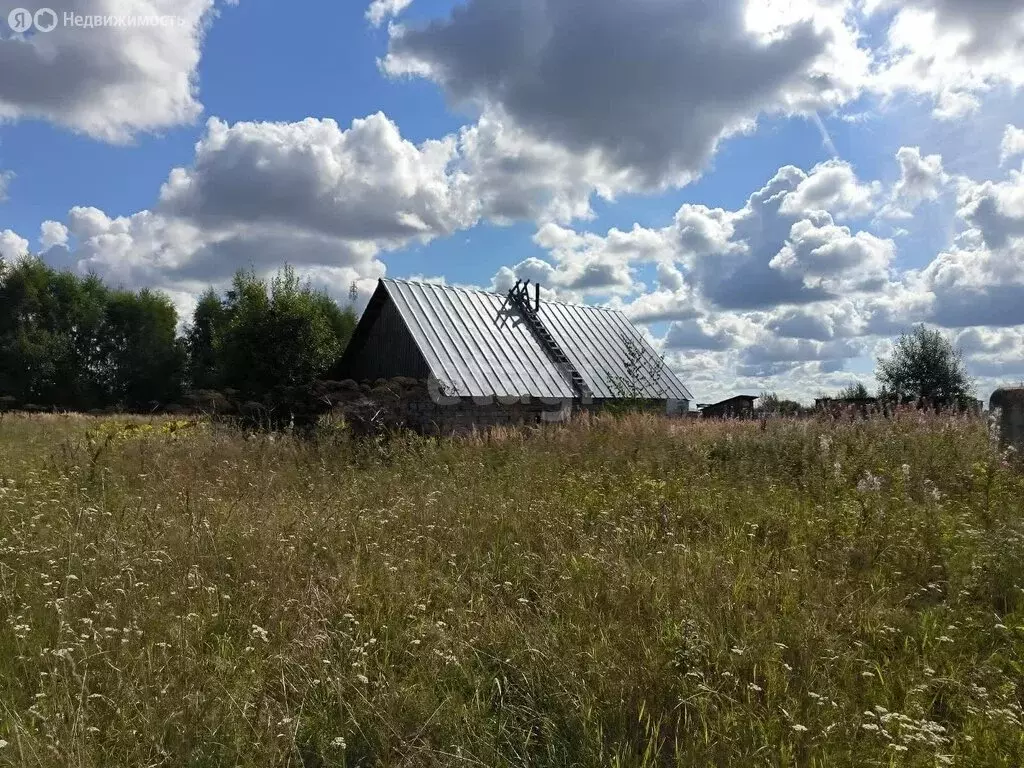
x,y
72,342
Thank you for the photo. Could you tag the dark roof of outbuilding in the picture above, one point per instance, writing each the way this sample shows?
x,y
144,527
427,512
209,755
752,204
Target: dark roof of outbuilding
x,y
733,399
478,345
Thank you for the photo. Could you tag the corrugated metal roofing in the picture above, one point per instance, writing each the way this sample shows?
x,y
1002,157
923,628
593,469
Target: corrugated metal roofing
x,y
595,340
481,349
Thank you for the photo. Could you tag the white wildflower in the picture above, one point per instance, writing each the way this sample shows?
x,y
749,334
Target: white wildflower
x,y
338,742
869,483
798,728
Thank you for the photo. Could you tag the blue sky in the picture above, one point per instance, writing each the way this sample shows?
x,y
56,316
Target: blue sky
x,y
772,188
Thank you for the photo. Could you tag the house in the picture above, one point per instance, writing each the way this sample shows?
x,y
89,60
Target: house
x,y
489,358
737,407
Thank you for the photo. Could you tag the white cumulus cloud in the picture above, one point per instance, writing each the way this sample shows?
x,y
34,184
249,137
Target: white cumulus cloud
x,y
109,82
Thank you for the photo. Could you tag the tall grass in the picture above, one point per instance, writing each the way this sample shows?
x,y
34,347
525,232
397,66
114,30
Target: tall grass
x,y
619,592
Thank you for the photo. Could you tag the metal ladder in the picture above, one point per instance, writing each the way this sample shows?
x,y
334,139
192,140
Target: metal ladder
x,y
520,297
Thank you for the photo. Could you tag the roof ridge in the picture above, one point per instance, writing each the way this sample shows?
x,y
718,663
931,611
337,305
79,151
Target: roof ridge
x,y
466,289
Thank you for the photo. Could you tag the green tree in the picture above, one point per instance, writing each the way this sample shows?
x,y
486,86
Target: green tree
x,y
342,321
142,360
279,334
49,326
202,342
925,366
69,342
855,391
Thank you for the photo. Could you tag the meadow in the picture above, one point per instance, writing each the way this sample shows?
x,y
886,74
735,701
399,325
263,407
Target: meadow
x,y
624,591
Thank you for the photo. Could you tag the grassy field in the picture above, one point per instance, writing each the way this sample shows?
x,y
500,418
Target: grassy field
x,y
632,592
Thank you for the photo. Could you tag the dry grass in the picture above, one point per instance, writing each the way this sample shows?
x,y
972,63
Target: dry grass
x,y
629,592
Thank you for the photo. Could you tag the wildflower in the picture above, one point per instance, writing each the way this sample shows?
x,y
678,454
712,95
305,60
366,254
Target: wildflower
x,y
799,728
869,483
869,727
3,744
363,679
338,742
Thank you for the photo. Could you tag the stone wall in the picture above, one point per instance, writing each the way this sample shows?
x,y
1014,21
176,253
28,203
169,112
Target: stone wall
x,y
1010,403
420,405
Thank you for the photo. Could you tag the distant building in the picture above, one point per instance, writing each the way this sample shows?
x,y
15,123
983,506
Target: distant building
x,y
492,358
738,407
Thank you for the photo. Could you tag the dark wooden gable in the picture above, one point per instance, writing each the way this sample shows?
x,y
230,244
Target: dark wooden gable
x,y
381,345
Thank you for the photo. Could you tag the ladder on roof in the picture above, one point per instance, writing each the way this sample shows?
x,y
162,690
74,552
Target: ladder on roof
x,y
519,296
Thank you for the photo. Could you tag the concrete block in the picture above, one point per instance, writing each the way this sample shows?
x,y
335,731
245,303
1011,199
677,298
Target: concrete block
x,y
1010,403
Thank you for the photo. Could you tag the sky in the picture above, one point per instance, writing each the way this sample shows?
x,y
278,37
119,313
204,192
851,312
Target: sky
x,y
771,189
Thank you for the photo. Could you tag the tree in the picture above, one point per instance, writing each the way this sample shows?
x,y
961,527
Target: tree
x,y
142,360
642,378
343,322
49,324
927,367
70,342
771,403
202,342
855,391
279,334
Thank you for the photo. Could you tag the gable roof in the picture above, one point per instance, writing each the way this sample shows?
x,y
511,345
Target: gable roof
x,y
478,344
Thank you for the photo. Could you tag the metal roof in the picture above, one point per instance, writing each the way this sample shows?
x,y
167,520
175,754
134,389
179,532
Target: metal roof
x,y
479,345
